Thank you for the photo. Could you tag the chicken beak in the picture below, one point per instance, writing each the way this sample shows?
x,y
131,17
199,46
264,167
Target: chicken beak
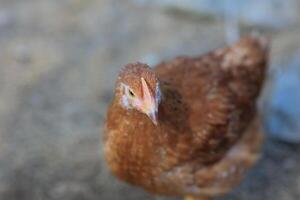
x,y
150,105
153,117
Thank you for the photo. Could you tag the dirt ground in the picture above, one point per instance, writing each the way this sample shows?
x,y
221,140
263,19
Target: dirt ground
x,y
58,63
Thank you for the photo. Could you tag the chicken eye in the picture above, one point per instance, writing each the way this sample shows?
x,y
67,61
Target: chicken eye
x,y
131,94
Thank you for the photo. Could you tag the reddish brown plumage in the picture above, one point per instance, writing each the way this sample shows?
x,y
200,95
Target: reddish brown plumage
x,y
206,137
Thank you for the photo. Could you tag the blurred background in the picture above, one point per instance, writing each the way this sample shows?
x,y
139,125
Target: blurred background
x,y
58,63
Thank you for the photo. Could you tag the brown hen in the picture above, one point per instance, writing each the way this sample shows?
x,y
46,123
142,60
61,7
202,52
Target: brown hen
x,y
188,127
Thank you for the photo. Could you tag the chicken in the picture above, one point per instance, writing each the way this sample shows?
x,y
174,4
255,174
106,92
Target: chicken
x,y
188,127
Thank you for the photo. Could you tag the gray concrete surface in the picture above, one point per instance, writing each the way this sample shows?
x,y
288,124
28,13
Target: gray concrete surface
x,y
58,63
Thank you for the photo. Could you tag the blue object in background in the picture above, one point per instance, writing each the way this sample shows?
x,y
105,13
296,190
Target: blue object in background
x,y
282,106
265,13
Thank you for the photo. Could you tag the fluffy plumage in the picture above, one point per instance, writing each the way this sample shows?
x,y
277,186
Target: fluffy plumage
x,y
206,134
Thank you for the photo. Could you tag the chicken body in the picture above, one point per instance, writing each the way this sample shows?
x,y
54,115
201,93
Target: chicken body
x,y
207,134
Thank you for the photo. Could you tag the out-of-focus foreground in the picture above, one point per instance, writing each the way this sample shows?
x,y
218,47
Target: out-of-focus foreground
x,y
58,63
